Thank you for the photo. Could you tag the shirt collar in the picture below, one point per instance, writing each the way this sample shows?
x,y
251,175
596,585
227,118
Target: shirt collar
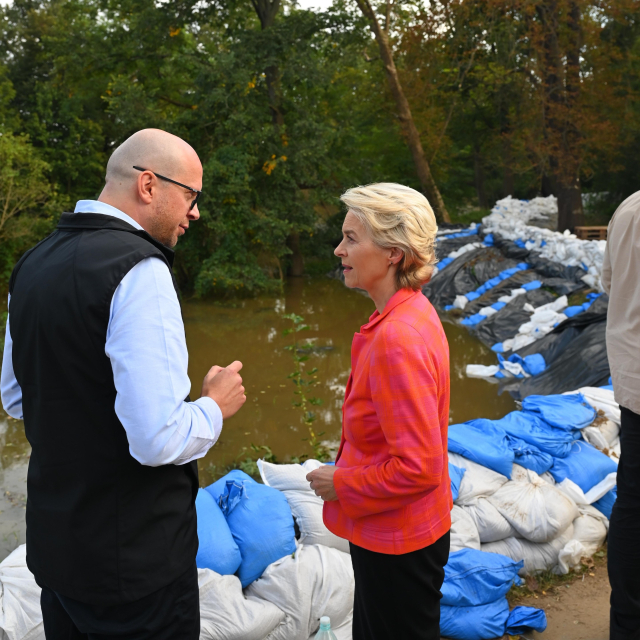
x,y
396,299
95,206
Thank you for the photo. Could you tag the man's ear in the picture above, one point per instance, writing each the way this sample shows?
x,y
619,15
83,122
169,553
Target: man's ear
x,y
145,185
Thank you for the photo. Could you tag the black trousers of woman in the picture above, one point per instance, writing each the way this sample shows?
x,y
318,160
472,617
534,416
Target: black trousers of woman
x,y
624,535
398,597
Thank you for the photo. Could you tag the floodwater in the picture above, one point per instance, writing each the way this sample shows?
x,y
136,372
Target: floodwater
x,y
251,331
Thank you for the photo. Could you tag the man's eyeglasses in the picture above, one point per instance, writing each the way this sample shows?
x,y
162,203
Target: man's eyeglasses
x,y
157,175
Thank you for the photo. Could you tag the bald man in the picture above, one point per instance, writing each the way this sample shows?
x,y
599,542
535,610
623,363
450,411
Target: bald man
x,y
95,362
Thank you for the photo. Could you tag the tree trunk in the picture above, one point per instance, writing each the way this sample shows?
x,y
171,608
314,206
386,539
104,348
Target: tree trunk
x,y
297,263
409,129
562,91
478,171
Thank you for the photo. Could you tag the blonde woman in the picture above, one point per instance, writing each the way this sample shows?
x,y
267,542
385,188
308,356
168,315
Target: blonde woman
x,y
389,492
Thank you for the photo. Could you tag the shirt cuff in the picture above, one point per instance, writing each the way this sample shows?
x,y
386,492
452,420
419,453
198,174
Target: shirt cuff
x,y
210,407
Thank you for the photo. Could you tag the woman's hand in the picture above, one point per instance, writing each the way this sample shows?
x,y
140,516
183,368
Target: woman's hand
x,y
322,482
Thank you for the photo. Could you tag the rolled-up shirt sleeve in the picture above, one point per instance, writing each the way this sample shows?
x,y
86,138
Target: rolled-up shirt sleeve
x,y
405,396
10,390
148,352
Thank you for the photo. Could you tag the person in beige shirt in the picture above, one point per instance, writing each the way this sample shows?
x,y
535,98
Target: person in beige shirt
x,y
621,280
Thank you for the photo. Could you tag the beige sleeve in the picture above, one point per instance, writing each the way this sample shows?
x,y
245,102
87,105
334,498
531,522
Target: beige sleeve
x,y
606,270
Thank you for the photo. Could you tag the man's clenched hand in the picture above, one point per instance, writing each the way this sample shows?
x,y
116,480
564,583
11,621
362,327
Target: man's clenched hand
x,y
224,385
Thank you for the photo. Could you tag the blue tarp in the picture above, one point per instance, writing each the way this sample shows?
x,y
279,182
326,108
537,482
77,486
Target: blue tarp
x,y
473,577
523,619
217,549
564,412
585,465
537,432
260,521
605,504
529,456
455,476
483,442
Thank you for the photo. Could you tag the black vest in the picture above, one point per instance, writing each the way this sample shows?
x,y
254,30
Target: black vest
x,y
101,527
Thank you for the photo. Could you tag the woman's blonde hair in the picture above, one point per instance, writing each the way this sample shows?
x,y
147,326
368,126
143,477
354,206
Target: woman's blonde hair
x,y
398,216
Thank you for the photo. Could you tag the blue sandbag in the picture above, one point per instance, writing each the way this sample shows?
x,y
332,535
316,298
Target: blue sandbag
x,y
531,429
484,622
260,521
217,549
605,504
564,412
530,286
483,442
473,578
523,619
585,465
455,475
529,456
473,320
533,364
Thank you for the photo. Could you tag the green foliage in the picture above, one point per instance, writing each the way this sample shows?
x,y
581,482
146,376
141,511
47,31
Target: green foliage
x,y
304,381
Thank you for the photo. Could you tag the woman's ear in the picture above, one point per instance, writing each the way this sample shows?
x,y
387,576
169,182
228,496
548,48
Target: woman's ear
x,y
395,256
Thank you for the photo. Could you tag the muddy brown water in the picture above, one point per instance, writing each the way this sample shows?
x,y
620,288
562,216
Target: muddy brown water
x,y
251,331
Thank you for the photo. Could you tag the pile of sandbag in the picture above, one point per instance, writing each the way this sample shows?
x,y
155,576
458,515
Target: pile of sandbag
x,y
530,487
510,219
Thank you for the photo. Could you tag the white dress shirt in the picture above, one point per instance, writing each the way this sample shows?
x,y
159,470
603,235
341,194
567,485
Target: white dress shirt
x,y
148,352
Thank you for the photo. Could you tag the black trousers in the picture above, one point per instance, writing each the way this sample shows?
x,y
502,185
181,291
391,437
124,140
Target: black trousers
x,y
398,597
171,613
624,535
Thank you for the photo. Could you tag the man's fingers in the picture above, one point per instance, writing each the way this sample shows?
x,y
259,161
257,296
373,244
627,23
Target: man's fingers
x,y
214,370
235,366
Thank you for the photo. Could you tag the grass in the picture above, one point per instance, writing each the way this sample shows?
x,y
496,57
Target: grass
x,y
547,583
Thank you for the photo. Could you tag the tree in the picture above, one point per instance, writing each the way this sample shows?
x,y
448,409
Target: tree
x,y
409,128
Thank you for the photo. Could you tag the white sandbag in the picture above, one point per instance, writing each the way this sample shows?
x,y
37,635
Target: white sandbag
x,y
317,581
569,557
537,557
609,429
464,533
20,613
548,478
595,437
573,491
225,613
536,510
490,523
590,529
477,480
305,505
601,399
481,370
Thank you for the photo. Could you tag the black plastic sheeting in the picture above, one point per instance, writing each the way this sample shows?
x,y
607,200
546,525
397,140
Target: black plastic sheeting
x,y
505,323
466,273
575,351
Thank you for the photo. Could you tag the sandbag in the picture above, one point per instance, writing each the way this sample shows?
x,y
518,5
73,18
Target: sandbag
x,y
605,504
485,622
305,505
524,619
536,510
226,614
315,581
260,521
464,533
477,480
20,612
491,524
536,557
455,477
483,442
584,465
217,550
473,578
530,428
528,455
602,400
590,529
566,412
